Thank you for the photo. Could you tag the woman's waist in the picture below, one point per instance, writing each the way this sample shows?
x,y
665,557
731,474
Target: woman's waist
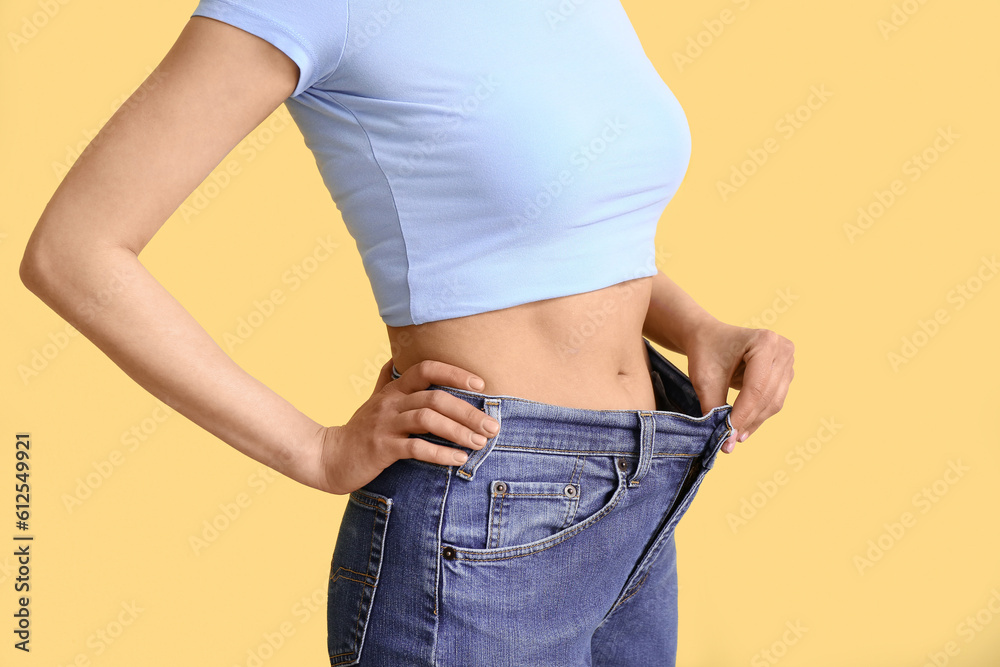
x,y
583,351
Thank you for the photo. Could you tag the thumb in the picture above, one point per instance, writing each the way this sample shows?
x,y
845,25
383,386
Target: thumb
x,y
712,392
384,376
749,402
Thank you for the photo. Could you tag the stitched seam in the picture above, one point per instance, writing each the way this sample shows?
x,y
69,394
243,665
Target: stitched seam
x,y
650,555
357,621
304,43
591,452
371,548
372,502
496,534
343,49
438,440
337,575
362,498
363,583
568,452
437,566
648,442
534,495
573,508
392,196
291,32
634,591
338,656
569,509
679,415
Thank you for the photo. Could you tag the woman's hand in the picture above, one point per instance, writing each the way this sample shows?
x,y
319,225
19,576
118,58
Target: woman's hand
x,y
758,362
377,435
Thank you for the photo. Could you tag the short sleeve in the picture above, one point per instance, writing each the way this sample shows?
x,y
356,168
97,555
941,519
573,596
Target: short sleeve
x,y
312,33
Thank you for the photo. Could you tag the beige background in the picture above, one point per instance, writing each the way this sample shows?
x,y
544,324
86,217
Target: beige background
x,y
794,530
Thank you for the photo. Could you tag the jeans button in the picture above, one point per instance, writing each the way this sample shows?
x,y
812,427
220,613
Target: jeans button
x,y
499,487
449,553
623,465
570,491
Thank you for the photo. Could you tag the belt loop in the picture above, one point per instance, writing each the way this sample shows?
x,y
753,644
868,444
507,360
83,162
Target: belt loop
x,y
491,406
712,449
647,431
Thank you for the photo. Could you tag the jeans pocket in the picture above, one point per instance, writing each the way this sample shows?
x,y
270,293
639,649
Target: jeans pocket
x,y
354,572
522,503
522,512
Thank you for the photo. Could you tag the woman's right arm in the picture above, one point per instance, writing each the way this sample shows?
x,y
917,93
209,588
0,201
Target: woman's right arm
x,y
213,87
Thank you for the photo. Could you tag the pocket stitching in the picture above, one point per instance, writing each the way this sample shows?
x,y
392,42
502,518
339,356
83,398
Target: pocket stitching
x,y
345,569
500,500
539,546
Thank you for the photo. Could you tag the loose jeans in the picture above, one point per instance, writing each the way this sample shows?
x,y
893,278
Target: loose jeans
x,y
552,546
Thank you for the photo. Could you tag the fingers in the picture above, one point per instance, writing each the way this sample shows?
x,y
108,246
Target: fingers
x,y
751,398
766,378
433,411
447,416
429,371
754,395
424,450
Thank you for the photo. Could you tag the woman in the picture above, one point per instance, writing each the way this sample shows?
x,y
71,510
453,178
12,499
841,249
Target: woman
x,y
516,476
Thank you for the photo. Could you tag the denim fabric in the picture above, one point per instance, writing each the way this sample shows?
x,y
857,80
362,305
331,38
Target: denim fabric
x,y
551,546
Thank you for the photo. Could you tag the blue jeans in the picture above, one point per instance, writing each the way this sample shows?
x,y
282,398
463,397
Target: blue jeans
x,y
551,546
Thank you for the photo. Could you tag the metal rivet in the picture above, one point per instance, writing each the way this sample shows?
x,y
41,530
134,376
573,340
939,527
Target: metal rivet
x,y
623,465
570,491
449,553
499,487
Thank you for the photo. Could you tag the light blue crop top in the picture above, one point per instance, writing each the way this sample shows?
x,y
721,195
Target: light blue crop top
x,y
483,154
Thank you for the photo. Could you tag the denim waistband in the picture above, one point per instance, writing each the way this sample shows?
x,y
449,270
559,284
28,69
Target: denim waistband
x,y
531,425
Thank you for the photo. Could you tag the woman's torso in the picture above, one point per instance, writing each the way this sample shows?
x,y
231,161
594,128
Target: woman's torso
x,y
502,168
583,350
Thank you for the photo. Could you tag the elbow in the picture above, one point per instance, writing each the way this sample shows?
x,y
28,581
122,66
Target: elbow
x,y
65,267
68,274
35,267
47,266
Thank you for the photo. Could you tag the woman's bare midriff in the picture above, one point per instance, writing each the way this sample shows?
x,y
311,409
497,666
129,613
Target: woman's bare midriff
x,y
580,351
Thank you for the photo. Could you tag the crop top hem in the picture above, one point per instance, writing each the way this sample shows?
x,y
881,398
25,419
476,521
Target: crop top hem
x,y
509,294
558,293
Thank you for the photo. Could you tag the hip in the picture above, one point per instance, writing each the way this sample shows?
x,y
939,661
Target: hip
x,y
559,527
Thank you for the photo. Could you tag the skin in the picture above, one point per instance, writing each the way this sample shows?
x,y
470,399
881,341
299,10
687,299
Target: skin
x,y
212,88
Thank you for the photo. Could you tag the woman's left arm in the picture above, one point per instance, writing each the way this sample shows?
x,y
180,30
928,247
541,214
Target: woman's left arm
x,y
757,362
